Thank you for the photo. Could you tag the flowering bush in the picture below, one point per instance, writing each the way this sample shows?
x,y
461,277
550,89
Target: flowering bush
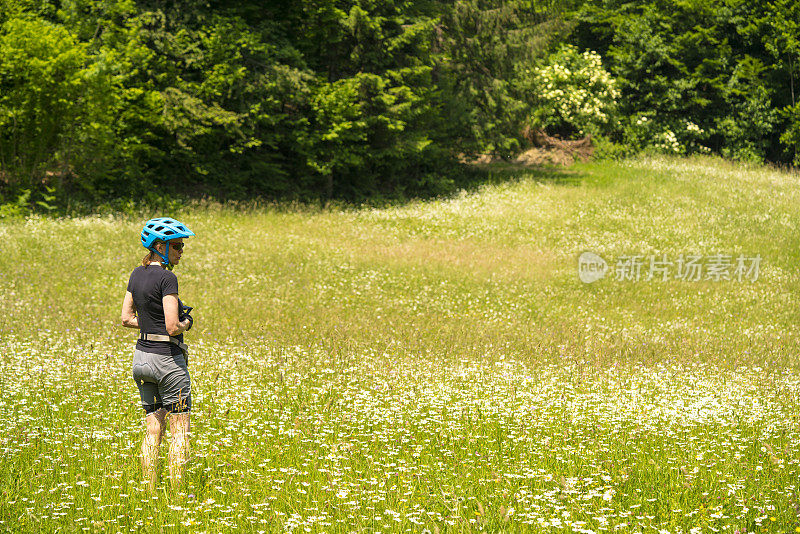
x,y
667,142
573,93
645,131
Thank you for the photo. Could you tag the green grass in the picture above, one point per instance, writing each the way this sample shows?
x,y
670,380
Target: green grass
x,y
432,366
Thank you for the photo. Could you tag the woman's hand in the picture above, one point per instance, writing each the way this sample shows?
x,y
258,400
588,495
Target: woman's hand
x,y
128,315
174,325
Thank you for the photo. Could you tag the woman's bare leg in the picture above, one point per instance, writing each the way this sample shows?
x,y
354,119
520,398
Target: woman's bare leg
x,y
178,447
154,423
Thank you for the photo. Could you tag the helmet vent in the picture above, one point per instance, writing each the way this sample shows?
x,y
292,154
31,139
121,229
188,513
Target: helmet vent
x,y
168,232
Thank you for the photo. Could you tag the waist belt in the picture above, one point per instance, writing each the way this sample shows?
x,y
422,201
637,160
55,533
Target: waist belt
x,y
169,339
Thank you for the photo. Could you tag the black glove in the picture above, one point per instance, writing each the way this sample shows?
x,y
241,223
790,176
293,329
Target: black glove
x,y
183,313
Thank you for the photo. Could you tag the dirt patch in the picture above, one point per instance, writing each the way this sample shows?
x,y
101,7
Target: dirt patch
x,y
542,156
546,150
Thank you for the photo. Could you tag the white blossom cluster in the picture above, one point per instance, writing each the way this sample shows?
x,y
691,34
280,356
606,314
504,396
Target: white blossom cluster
x,y
576,88
667,141
649,131
693,128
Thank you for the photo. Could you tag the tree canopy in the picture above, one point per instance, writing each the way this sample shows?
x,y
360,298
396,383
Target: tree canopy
x,y
316,99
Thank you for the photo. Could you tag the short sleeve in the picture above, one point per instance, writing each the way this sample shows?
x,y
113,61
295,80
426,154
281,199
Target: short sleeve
x,y
130,283
169,284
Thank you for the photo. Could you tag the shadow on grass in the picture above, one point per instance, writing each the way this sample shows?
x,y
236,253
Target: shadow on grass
x,y
473,177
498,173
468,177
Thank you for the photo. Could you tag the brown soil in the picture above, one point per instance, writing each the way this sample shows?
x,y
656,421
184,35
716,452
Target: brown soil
x,y
546,150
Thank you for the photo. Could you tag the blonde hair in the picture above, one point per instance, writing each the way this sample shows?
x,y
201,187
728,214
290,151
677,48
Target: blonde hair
x,y
152,256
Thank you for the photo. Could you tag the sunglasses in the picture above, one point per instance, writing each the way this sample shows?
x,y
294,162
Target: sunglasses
x,y
177,246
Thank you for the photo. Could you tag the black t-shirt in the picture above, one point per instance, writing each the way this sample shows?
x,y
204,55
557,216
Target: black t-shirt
x,y
148,285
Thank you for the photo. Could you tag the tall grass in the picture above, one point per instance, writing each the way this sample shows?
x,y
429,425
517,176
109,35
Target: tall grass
x,y
433,366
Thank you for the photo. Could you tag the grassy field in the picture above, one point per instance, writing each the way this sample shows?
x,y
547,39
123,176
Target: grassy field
x,y
431,367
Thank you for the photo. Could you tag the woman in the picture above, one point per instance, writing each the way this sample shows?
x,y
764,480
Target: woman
x,y
160,367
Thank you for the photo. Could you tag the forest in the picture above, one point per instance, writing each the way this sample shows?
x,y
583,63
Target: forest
x,y
121,101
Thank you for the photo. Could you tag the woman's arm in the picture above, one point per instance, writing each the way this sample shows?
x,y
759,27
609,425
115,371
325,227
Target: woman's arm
x,y
128,316
174,326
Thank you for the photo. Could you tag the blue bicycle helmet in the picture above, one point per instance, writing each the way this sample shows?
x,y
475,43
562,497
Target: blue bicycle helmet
x,y
163,229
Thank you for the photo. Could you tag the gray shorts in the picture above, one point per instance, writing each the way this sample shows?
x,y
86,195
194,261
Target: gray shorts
x,y
163,381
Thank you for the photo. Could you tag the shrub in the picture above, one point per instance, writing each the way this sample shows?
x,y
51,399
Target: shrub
x,y
573,94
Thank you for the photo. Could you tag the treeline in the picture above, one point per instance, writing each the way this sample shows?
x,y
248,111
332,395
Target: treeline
x,y
710,76
288,98
349,99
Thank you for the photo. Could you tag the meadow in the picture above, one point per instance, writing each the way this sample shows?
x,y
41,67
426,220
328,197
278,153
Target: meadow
x,y
435,366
